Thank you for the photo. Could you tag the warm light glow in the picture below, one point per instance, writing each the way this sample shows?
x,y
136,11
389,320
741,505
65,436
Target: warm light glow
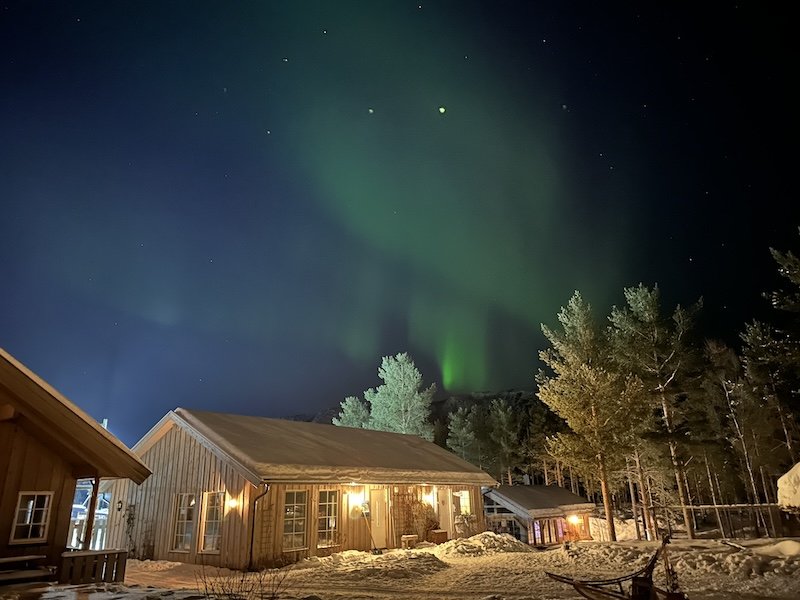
x,y
233,503
430,497
574,519
355,499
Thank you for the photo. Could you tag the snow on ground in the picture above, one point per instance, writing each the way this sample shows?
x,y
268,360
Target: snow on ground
x,y
484,567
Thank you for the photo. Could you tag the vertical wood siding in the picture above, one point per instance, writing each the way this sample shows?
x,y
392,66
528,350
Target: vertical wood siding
x,y
354,533
28,465
180,465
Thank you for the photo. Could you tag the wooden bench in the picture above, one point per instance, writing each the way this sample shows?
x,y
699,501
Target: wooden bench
x,y
93,566
15,569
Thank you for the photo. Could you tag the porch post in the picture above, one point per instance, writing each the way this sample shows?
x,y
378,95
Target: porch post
x,y
87,533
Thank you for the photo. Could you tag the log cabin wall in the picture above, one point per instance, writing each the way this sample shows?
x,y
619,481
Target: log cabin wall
x,y
27,465
146,523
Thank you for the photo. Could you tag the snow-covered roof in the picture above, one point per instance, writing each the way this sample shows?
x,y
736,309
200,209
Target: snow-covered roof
x,y
789,490
277,450
80,440
539,501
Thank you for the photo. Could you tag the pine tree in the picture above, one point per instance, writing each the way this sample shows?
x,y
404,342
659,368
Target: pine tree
x,y
400,404
505,434
461,438
354,413
770,371
599,405
657,350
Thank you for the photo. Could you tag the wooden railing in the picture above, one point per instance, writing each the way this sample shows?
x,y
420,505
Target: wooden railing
x,y
78,528
92,566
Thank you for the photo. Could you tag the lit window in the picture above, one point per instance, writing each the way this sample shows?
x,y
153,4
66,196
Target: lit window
x,y
184,523
461,503
294,521
327,528
33,517
212,521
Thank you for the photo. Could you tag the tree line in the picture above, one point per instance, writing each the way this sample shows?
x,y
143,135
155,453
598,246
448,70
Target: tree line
x,y
635,405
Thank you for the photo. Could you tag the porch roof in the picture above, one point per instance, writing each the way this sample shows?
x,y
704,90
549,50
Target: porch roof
x,y
59,424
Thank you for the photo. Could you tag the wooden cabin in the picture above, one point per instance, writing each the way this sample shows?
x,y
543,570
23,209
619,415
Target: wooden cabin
x,y
46,444
538,514
242,492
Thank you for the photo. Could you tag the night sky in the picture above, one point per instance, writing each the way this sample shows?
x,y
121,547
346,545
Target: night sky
x,y
242,206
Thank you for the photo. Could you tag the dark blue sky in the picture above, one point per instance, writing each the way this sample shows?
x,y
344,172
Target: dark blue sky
x,y
243,206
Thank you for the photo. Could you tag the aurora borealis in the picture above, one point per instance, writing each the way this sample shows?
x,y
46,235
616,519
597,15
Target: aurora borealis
x,y
244,206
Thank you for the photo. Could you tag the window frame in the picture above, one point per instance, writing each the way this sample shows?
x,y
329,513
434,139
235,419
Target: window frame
x,y
176,520
331,533
48,509
294,520
201,540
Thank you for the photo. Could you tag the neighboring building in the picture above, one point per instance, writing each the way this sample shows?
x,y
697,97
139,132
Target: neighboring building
x,y
46,444
239,492
789,490
538,514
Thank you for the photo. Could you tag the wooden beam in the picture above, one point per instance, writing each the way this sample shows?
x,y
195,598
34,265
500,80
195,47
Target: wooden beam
x,y
7,412
87,535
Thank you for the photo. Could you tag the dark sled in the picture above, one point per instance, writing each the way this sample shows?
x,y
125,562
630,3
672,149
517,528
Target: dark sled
x,y
641,583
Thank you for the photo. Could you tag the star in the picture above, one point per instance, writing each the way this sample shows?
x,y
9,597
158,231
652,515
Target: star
x,y
442,110
370,110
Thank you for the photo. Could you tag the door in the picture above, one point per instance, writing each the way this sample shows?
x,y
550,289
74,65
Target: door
x,y
445,510
377,517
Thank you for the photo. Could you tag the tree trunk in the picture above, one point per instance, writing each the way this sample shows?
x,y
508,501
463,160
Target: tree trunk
x,y
772,524
612,532
654,514
678,467
688,495
748,461
646,498
713,495
634,509
784,425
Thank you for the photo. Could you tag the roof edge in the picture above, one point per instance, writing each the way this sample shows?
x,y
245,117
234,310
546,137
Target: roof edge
x,y
137,472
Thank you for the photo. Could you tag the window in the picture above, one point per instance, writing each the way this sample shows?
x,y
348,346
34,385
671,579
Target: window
x,y
184,523
32,517
212,521
461,503
294,521
327,530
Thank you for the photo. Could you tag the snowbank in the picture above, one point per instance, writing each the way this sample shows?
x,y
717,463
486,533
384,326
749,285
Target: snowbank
x,y
480,544
356,565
